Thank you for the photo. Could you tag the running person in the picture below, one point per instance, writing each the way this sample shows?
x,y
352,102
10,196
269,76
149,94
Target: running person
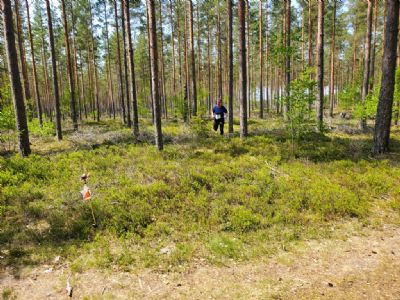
x,y
219,112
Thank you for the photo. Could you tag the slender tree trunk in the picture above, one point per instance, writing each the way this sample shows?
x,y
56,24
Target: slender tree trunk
x,y
173,48
55,75
163,90
131,67
385,104
120,81
230,75
126,76
35,79
320,65
154,73
248,86
75,63
267,84
93,52
149,65
367,62
185,55
199,60
261,63
111,85
302,35
310,34
193,63
15,80
288,8
373,54
69,68
27,91
209,64
242,69
332,69
219,53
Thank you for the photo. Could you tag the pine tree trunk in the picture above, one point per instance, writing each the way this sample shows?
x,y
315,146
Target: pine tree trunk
x,y
247,30
367,62
230,68
267,77
110,80
320,65
332,69
35,79
75,64
120,81
261,63
209,65
186,62
373,54
302,35
15,80
131,68
93,52
193,63
162,89
126,76
199,60
385,104
219,53
24,69
55,74
242,68
173,48
154,73
310,34
288,8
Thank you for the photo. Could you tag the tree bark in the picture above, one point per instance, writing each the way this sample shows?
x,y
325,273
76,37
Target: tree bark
x,y
162,89
385,104
310,34
15,80
261,63
373,54
154,73
24,69
93,52
367,62
320,65
120,81
193,63
35,79
131,67
55,74
69,69
219,53
126,76
230,68
242,69
287,55
332,68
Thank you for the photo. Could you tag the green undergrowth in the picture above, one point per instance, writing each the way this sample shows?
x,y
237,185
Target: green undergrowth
x,y
205,197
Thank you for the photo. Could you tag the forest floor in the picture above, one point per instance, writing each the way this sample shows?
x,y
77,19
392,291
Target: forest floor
x,y
209,217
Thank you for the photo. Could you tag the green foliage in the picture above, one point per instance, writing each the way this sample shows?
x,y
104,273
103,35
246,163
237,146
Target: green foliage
x,y
349,97
368,110
301,119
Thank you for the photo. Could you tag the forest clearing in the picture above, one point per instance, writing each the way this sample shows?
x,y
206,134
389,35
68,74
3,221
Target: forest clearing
x,y
199,149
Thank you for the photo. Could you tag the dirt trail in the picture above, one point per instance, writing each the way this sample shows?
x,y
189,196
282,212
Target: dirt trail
x,y
366,266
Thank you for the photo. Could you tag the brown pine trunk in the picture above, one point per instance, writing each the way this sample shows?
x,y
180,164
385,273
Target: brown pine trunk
x,y
320,65
199,60
173,48
126,76
131,67
367,62
287,55
163,90
267,84
110,80
219,53
385,104
247,8
261,63
92,50
310,34
55,74
373,54
230,68
209,64
120,81
154,73
332,68
302,35
69,68
186,61
35,79
193,62
75,64
24,69
242,69
15,80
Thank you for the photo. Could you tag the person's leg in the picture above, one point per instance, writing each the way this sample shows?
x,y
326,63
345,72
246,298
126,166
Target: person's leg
x,y
215,125
221,124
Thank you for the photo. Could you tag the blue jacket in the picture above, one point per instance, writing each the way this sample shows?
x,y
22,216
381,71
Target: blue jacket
x,y
220,110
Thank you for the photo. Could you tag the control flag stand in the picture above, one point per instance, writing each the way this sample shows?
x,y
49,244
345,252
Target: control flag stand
x,y
87,196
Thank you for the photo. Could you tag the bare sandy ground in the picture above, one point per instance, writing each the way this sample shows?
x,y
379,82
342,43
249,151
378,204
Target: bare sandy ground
x,y
365,266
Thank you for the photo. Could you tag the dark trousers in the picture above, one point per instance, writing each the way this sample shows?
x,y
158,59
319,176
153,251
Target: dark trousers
x,y
220,123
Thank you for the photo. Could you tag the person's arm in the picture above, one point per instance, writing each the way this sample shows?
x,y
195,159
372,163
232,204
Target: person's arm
x,y
225,110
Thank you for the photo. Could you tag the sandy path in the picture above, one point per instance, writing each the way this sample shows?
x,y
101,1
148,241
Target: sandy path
x,y
366,266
